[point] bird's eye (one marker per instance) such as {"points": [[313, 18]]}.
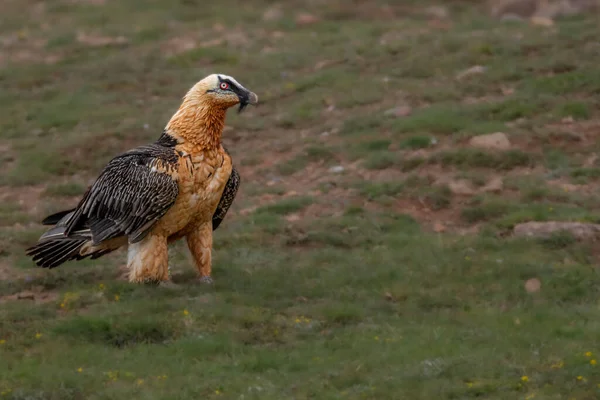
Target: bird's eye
{"points": [[224, 85]]}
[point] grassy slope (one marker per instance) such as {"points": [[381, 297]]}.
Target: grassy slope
{"points": [[327, 285]]}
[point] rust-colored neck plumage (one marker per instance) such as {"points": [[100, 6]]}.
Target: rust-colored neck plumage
{"points": [[198, 123]]}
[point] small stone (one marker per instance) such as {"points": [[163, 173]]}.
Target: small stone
{"points": [[474, 70], [461, 187], [400, 111], [336, 169], [439, 12], [26, 296], [542, 21], [292, 218], [533, 285], [492, 141], [306, 19], [388, 296], [590, 161], [272, 14], [567, 120], [247, 211], [438, 227], [494, 185]]}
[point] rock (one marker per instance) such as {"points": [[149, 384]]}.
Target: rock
{"points": [[306, 19], [492, 141], [494, 185], [439, 12], [590, 161], [336, 169], [400, 111], [542, 21], [461, 187], [474, 70], [533, 285], [579, 230], [438, 227], [292, 218], [272, 14], [25, 296]]}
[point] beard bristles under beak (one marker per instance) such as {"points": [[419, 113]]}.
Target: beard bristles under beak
{"points": [[242, 106]]}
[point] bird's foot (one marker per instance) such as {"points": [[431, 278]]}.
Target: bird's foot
{"points": [[207, 280]]}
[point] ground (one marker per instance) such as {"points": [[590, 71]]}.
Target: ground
{"points": [[369, 254]]}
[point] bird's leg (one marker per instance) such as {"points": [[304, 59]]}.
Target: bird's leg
{"points": [[200, 244], [148, 260]]}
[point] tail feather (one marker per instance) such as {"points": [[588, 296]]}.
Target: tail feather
{"points": [[56, 218], [55, 247], [52, 253]]}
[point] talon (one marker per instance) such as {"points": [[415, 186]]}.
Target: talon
{"points": [[206, 279]]}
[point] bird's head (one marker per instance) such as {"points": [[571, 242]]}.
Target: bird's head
{"points": [[222, 91]]}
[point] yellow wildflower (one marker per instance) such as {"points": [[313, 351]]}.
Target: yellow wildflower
{"points": [[186, 312], [117, 297], [530, 396], [524, 378], [558, 365], [38, 335], [2, 341], [469, 384], [101, 286], [140, 381], [218, 392], [588, 354], [593, 362], [376, 338], [62, 305], [581, 378], [80, 370]]}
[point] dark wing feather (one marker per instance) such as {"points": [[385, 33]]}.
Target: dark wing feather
{"points": [[133, 191], [227, 198]]}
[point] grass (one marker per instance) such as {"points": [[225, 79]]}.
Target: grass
{"points": [[330, 283]]}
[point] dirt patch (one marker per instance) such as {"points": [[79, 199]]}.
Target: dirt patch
{"points": [[36, 294], [28, 197]]}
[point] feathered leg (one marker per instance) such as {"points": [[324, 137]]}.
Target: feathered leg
{"points": [[200, 244], [148, 260]]}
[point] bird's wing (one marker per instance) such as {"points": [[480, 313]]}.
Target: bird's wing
{"points": [[131, 194], [227, 198], [231, 188]]}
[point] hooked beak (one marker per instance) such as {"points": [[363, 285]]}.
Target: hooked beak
{"points": [[247, 98]]}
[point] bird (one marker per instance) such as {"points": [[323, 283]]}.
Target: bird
{"points": [[180, 186]]}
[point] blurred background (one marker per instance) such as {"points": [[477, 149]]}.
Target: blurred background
{"points": [[417, 216]]}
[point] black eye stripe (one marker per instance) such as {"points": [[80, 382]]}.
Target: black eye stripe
{"points": [[232, 86]]}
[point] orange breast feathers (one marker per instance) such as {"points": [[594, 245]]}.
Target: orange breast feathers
{"points": [[202, 177]]}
